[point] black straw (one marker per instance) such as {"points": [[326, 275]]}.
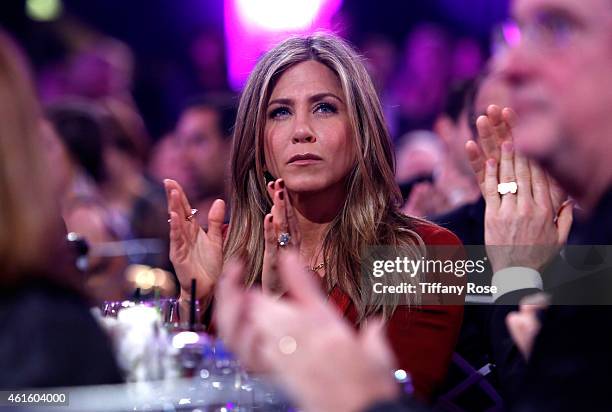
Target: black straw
{"points": [[192, 306]]}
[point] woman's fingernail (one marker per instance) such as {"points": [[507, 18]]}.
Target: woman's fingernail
{"points": [[281, 183], [281, 195], [491, 164], [507, 147]]}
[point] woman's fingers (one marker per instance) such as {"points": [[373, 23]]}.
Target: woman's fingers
{"points": [[269, 235], [292, 221], [270, 190], [270, 281], [182, 224], [173, 186], [216, 217], [175, 234], [279, 211]]}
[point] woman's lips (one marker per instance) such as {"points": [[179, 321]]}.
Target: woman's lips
{"points": [[304, 159]]}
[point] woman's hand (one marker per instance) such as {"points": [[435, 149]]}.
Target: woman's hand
{"points": [[281, 219], [194, 253], [522, 229]]}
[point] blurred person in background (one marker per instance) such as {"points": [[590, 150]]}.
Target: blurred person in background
{"points": [[466, 219], [207, 53], [381, 60], [456, 177], [74, 139], [421, 82], [102, 69], [48, 336], [467, 60], [420, 157], [137, 202], [166, 161], [204, 134]]}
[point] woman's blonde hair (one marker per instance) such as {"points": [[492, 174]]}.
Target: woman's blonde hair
{"points": [[27, 207], [370, 214]]}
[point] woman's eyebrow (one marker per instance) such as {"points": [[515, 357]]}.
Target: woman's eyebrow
{"points": [[320, 96], [315, 97], [284, 101]]}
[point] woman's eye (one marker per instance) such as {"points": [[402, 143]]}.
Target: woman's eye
{"points": [[326, 108], [279, 113]]}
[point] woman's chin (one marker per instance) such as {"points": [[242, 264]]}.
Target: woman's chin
{"points": [[305, 184]]}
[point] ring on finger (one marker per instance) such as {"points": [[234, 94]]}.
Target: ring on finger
{"points": [[283, 239], [193, 213], [508, 187]]}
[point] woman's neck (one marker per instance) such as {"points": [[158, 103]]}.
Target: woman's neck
{"points": [[314, 212]]}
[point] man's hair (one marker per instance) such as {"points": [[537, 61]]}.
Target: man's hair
{"points": [[224, 104]]}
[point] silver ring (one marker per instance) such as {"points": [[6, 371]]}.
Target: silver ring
{"points": [[505, 188], [193, 213], [284, 239]]}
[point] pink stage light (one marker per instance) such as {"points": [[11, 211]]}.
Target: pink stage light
{"points": [[253, 26]]}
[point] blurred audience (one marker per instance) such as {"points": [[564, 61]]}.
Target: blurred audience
{"points": [[49, 337], [74, 136], [466, 218], [420, 156], [204, 134], [136, 201], [166, 161], [420, 84]]}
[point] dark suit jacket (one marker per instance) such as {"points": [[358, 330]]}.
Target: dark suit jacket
{"points": [[570, 367], [48, 338]]}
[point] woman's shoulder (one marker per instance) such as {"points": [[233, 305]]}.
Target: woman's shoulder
{"points": [[433, 234]]}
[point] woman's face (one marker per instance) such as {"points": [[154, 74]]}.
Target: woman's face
{"points": [[307, 138]]}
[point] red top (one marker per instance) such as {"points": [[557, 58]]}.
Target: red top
{"points": [[423, 338]]}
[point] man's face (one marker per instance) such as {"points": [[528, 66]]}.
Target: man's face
{"points": [[205, 150], [558, 72]]}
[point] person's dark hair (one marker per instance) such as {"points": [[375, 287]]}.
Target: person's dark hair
{"points": [[225, 104], [457, 98], [80, 127], [125, 129], [470, 102]]}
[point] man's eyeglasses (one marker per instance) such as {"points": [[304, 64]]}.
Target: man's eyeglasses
{"points": [[548, 31]]}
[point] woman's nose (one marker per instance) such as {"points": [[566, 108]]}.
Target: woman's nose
{"points": [[303, 132]]}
